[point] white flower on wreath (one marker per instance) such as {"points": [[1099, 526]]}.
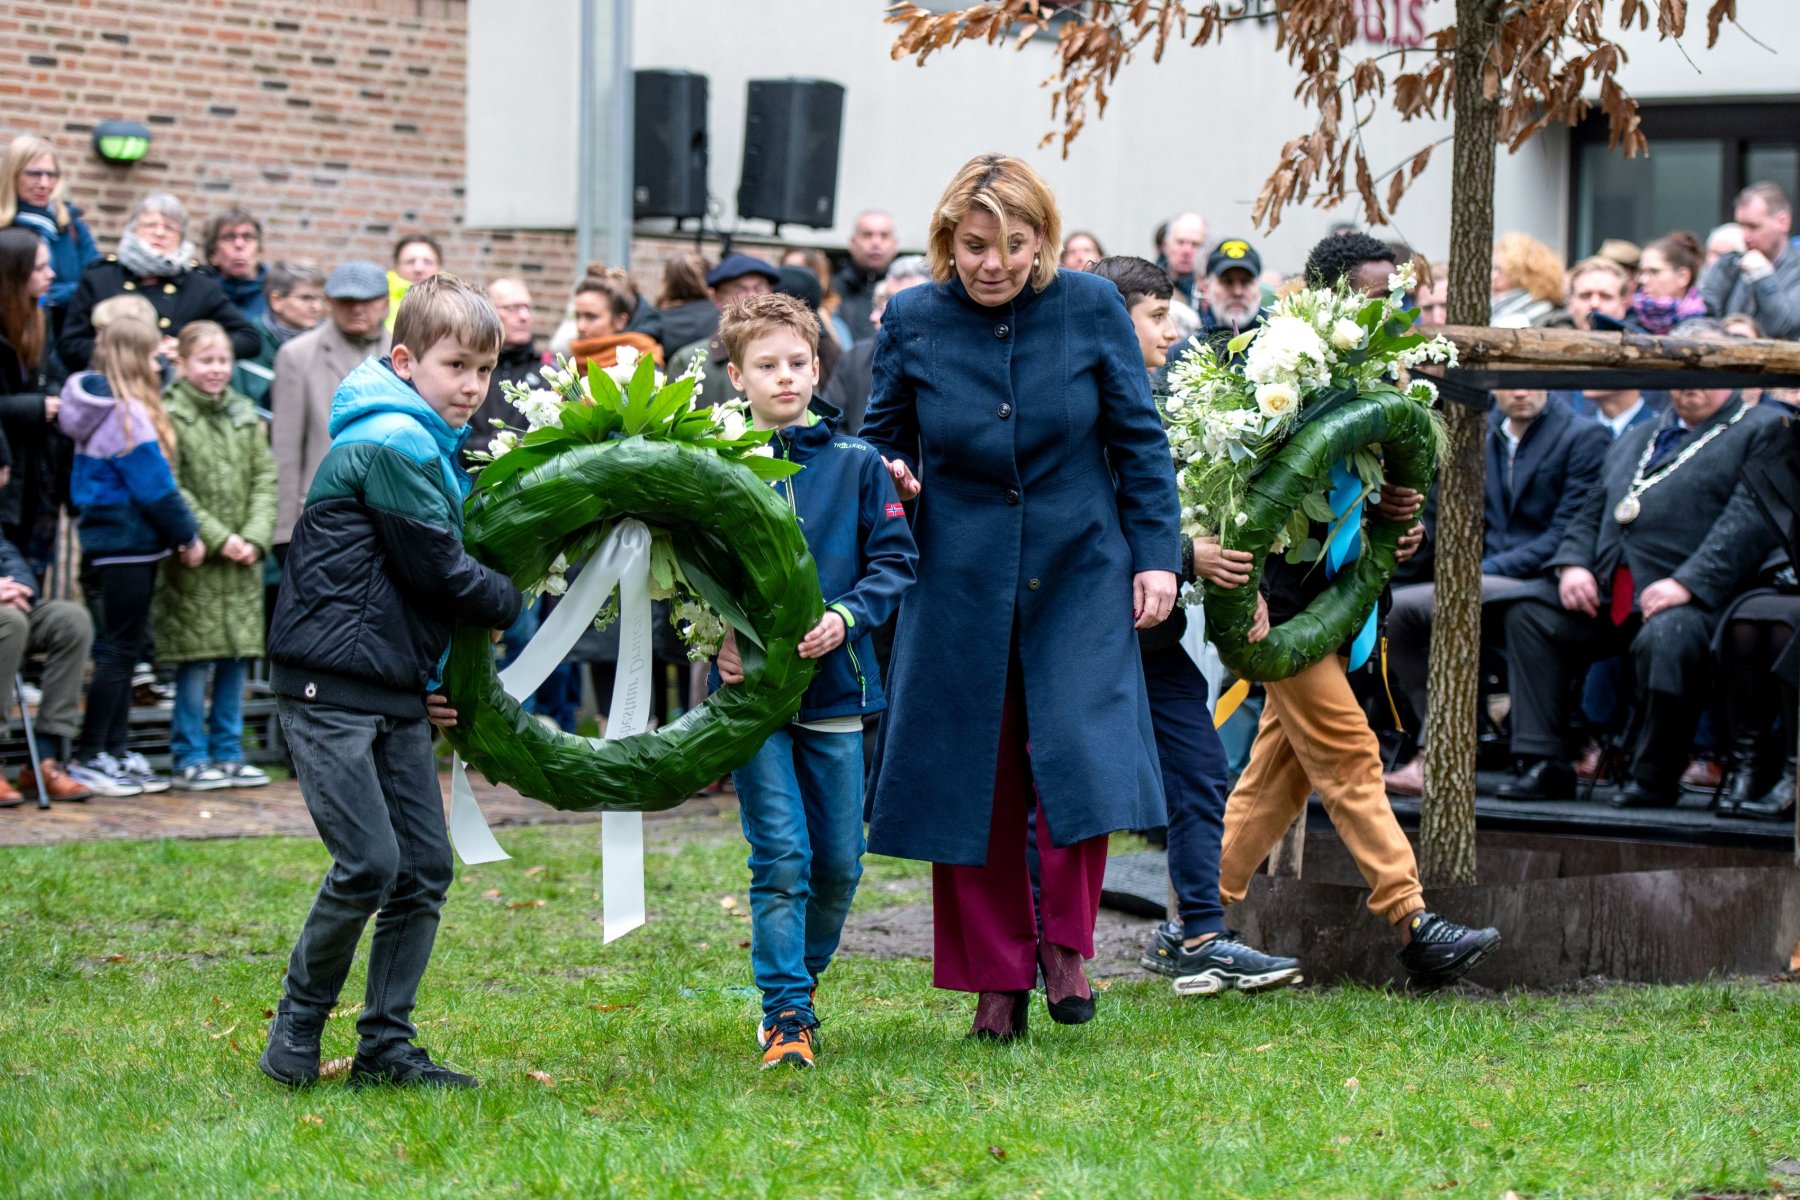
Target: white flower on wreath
{"points": [[1277, 399], [1423, 391], [501, 442], [732, 424], [1287, 349], [540, 408], [1346, 334]]}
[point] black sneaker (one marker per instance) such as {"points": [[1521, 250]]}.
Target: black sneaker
{"points": [[403, 1064], [1441, 952], [292, 1055], [1219, 964]]}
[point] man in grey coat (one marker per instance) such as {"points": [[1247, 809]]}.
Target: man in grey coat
{"points": [[308, 370], [1764, 280], [1646, 567]]}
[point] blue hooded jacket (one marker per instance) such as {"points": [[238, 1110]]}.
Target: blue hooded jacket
{"points": [[376, 575], [857, 531], [72, 248]]}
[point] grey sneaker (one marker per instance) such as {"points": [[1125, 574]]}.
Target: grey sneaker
{"points": [[403, 1064], [138, 768], [292, 1055], [104, 775], [201, 777], [242, 774]]}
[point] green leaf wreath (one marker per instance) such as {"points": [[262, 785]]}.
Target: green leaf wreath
{"points": [[725, 548], [1255, 434]]}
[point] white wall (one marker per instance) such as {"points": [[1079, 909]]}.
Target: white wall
{"points": [[1199, 131]]}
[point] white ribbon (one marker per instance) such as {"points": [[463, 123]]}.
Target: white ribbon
{"points": [[623, 562]]}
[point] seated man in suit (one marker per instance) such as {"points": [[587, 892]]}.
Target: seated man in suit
{"points": [[1647, 566], [1542, 461]]}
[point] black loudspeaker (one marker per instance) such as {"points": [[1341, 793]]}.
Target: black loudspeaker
{"points": [[669, 151], [792, 128]]}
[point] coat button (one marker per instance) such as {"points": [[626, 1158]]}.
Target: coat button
{"points": [[1003, 331], [129, 286], [1033, 585], [170, 289], [1004, 411], [163, 322], [1012, 495]]}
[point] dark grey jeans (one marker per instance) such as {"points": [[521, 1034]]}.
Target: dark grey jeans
{"points": [[371, 785]]}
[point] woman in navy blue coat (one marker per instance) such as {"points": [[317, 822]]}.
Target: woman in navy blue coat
{"points": [[1011, 398]]}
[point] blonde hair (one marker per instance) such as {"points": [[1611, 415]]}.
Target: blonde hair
{"points": [[122, 354], [1530, 265], [126, 306], [442, 306], [23, 150], [1010, 190], [195, 333], [750, 318]]}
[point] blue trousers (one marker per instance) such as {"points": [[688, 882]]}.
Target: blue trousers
{"points": [[1194, 783], [197, 736], [801, 803]]}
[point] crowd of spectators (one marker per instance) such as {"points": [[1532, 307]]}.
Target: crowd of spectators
{"points": [[1637, 581]]}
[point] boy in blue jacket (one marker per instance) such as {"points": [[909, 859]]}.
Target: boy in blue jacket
{"points": [[375, 581], [801, 797]]}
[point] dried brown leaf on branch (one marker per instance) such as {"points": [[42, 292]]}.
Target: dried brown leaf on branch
{"points": [[1545, 62]]}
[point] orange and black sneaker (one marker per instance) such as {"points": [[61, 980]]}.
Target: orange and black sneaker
{"points": [[787, 1039]]}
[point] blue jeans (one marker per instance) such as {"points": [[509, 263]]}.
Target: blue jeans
{"points": [[196, 736], [1193, 774], [801, 803]]}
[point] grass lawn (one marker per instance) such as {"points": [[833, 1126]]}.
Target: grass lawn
{"points": [[137, 976]]}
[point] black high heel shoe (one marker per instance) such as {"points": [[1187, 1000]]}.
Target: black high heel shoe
{"points": [[1070, 1010], [1015, 1026]]}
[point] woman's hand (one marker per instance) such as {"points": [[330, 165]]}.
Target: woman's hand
{"points": [[1152, 597], [237, 550], [1259, 624], [1226, 569], [52, 406], [825, 637], [905, 482], [731, 663]]}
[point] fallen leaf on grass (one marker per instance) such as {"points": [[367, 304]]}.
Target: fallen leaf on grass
{"points": [[335, 1068], [491, 894], [115, 958], [309, 1119], [223, 1034], [268, 1014], [727, 901], [541, 1077], [1353, 1082], [998, 1152], [1101, 984], [610, 1007], [537, 870], [526, 904], [1444, 1186], [743, 945], [1264, 1046]]}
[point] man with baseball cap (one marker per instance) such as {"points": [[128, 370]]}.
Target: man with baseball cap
{"points": [[736, 276], [307, 372], [1233, 289]]}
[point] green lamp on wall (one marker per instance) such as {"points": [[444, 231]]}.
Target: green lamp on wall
{"points": [[121, 142]]}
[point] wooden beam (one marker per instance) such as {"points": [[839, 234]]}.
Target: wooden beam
{"points": [[1483, 346]]}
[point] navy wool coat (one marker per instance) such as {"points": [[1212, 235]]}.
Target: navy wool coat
{"points": [[1047, 486]]}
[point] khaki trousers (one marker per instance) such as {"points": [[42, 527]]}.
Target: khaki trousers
{"points": [[1314, 737]]}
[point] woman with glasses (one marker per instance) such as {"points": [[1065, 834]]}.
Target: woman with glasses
{"points": [[35, 202], [155, 261]]}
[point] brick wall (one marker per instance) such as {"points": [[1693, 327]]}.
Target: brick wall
{"points": [[339, 123]]}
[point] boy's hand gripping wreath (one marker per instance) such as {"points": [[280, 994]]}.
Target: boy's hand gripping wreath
{"points": [[724, 549], [1318, 417]]}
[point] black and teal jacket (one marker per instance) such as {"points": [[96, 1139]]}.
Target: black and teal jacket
{"points": [[862, 545], [376, 576]]}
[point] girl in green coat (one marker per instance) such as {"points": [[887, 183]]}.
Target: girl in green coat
{"points": [[210, 618]]}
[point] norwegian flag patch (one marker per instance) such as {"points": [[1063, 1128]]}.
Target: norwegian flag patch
{"points": [[896, 509]]}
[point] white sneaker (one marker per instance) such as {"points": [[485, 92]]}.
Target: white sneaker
{"points": [[242, 774], [138, 768], [201, 777], [104, 776]]}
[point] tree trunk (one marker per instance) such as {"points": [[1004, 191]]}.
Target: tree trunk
{"points": [[1447, 828]]}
